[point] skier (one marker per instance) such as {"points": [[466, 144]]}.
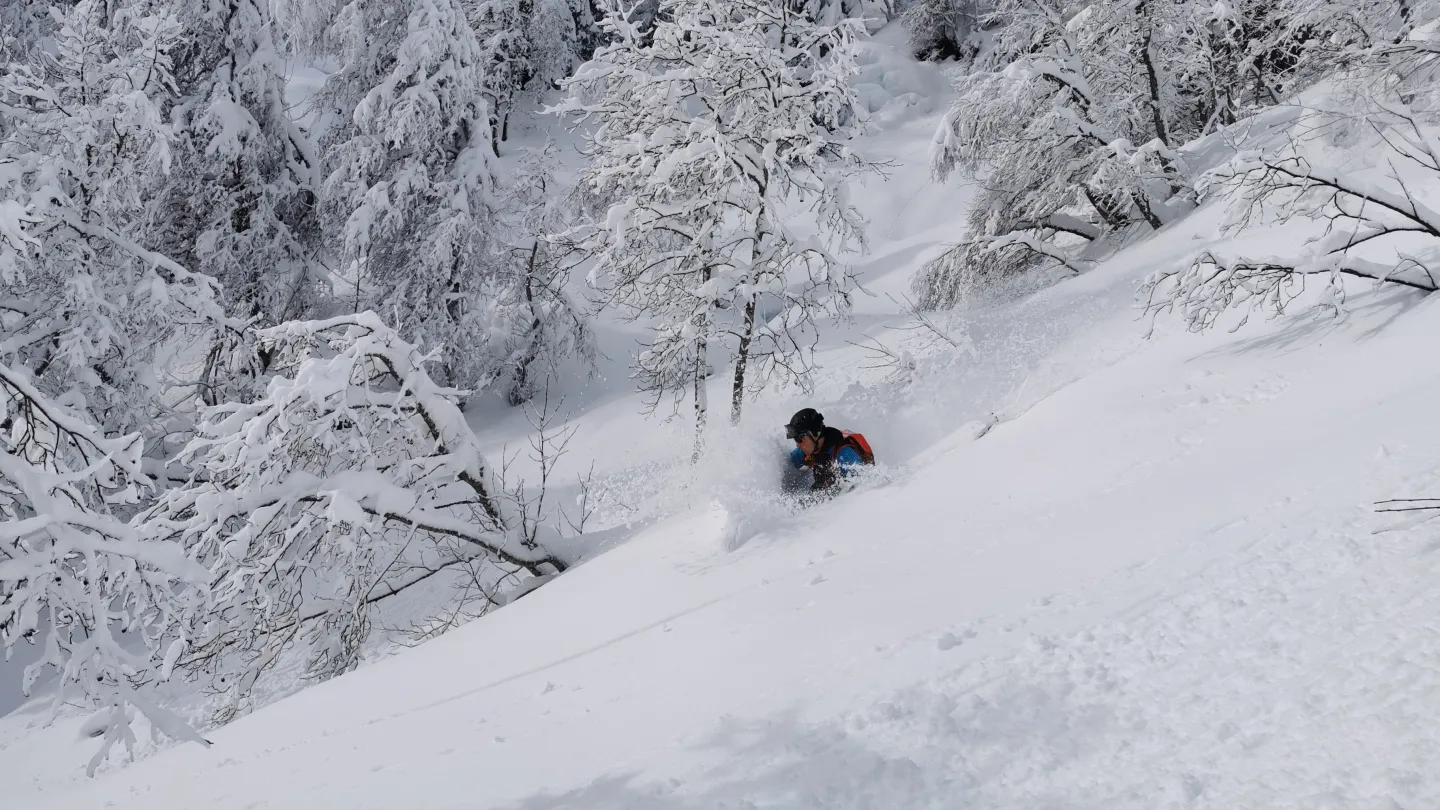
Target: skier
{"points": [[830, 454]]}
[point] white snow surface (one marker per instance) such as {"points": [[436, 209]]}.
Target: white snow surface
{"points": [[1156, 582]]}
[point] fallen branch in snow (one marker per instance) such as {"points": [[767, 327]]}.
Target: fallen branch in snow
{"points": [[1336, 196], [1064, 223], [970, 266], [1039, 247], [1409, 505]]}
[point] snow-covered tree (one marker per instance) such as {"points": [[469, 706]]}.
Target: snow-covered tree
{"points": [[87, 315], [1074, 119], [529, 46], [539, 326], [1256, 52], [828, 12], [1290, 44], [587, 15], [86, 309], [1385, 87], [26, 23], [942, 29], [239, 201], [637, 16], [1382, 233], [561, 39], [96, 597], [302, 503], [501, 27], [408, 193], [1070, 122], [705, 134]]}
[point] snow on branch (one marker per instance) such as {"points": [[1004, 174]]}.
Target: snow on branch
{"points": [[1028, 241], [476, 585], [303, 502], [982, 261], [74, 576], [1065, 223], [1359, 215], [1071, 123], [1321, 192], [88, 303], [1212, 285]]}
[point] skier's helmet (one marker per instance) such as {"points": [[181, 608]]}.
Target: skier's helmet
{"points": [[805, 422]]}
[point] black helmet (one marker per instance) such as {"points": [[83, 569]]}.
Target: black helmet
{"points": [[805, 422]]}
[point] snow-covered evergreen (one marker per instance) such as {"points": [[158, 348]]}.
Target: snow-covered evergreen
{"points": [[408, 197], [239, 201]]}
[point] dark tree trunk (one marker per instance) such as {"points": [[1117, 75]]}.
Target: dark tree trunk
{"points": [[702, 403], [742, 357], [520, 385], [1147, 57]]}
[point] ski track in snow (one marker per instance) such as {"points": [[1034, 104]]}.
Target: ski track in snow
{"points": [[557, 662]]}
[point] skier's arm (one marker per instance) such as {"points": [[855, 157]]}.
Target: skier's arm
{"points": [[848, 460], [797, 458]]}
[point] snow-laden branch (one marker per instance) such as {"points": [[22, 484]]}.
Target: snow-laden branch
{"points": [[74, 576], [1212, 285], [1360, 215], [1064, 223], [1066, 122], [1029, 241], [1339, 194], [301, 498]]}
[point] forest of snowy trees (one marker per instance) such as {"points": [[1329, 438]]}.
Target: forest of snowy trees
{"points": [[1084, 121], [238, 329]]}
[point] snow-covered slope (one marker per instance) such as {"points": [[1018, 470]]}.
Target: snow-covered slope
{"points": [[1155, 583]]}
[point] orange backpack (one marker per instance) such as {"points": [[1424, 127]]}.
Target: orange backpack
{"points": [[867, 456]]}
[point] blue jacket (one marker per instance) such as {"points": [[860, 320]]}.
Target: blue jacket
{"points": [[839, 456], [847, 459]]}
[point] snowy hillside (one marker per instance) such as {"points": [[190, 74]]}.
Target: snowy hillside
{"points": [[1155, 585], [394, 402], [1156, 581]]}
